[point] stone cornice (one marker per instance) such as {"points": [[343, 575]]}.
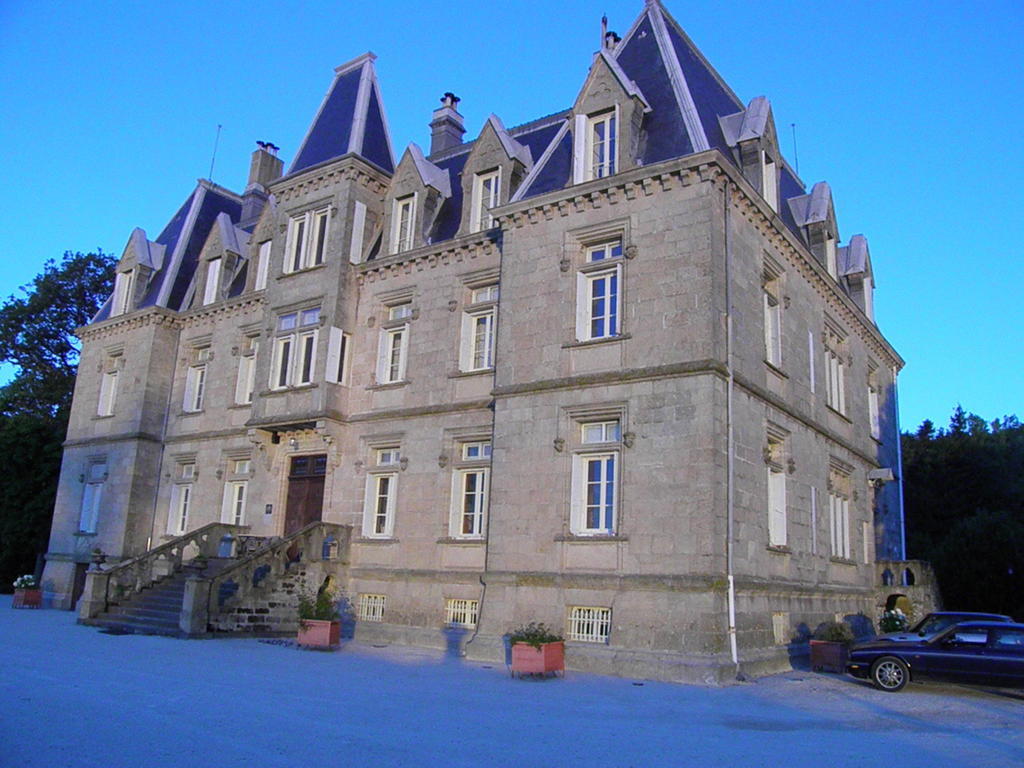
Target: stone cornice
{"points": [[221, 310], [476, 245], [121, 438], [350, 167], [129, 322]]}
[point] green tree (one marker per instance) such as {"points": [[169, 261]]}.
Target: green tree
{"points": [[37, 338]]}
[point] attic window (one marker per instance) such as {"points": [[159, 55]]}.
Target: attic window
{"points": [[770, 181], [485, 197], [124, 285], [601, 145], [402, 224], [212, 281]]}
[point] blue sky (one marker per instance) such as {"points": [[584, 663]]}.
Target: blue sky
{"points": [[910, 111]]}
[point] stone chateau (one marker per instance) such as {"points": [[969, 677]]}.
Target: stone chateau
{"points": [[615, 370]]}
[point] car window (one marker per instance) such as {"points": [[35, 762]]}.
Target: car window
{"points": [[1009, 638], [933, 624], [968, 637]]}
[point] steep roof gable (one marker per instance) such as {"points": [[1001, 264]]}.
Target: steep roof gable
{"points": [[350, 120]]}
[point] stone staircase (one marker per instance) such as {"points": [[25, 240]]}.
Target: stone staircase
{"points": [[156, 609]]}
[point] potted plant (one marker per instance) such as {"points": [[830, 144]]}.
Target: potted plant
{"points": [[319, 620], [830, 645], [27, 593], [536, 650], [894, 620]]}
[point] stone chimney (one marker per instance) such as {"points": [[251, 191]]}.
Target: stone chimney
{"points": [[446, 127], [265, 168]]}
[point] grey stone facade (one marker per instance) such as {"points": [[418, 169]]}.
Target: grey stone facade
{"points": [[701, 418]]}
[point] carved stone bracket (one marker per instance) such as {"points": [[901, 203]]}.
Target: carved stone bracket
{"points": [[559, 444]]}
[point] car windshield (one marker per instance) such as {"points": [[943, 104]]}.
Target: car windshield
{"points": [[929, 625]]}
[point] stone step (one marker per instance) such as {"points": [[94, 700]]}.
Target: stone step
{"points": [[136, 626], [143, 613]]}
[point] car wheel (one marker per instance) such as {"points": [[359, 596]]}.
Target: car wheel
{"points": [[890, 674]]}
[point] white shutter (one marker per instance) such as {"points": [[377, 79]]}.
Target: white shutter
{"points": [[242, 384], [226, 506], [578, 493], [814, 520], [212, 281], [579, 149], [355, 254], [190, 390], [172, 510], [263, 265], [777, 508], [404, 357], [582, 307], [466, 343], [333, 355]]}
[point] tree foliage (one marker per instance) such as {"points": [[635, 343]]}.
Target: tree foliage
{"points": [[37, 338], [964, 507]]}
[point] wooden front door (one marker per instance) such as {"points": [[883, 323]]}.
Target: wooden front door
{"points": [[305, 492]]}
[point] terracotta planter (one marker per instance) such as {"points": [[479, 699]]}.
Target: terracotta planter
{"points": [[27, 598], [315, 633], [828, 656], [527, 660]]}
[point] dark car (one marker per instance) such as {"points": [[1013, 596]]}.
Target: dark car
{"points": [[933, 623], [984, 652]]}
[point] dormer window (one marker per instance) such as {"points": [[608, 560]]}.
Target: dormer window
{"points": [[212, 281], [769, 181], [601, 145], [124, 285], [402, 225], [486, 188]]}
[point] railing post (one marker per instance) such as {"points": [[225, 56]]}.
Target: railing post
{"points": [[195, 606], [94, 598]]}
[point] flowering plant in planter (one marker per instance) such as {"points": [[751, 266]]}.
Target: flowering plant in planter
{"points": [[28, 581], [894, 621], [536, 650], [829, 646]]}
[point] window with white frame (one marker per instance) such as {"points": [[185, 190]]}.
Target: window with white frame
{"points": [[381, 487], [601, 149], [394, 344], [770, 181], [92, 494], [245, 385], [124, 288], [108, 384], [476, 351], [835, 370], [486, 187], [598, 292], [181, 498], [262, 265], [195, 380], [589, 624], [470, 480], [307, 240], [236, 489], [595, 478], [772, 319], [212, 287], [839, 491], [777, 518], [459, 612], [371, 607], [403, 223], [294, 362]]}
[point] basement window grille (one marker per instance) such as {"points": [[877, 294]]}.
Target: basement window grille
{"points": [[461, 613], [371, 607], [589, 624]]}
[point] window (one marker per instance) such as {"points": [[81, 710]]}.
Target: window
{"points": [[181, 499], [307, 240], [379, 506], [486, 188], [598, 300], [595, 479], [873, 414], [839, 512], [371, 607], [469, 490], [601, 149], [235, 490], [262, 265], [212, 287], [461, 613], [108, 385], [195, 380], [777, 521], [245, 386], [770, 181], [780, 627], [835, 375], [403, 224], [92, 495], [476, 352], [589, 624], [294, 361], [394, 344], [124, 289], [387, 457]]}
